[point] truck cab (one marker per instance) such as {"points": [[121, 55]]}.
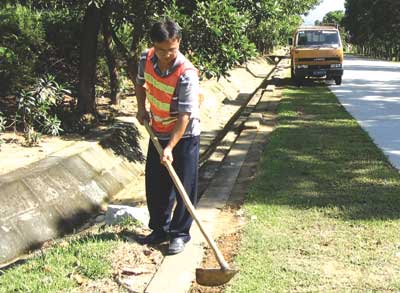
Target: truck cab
{"points": [[316, 51]]}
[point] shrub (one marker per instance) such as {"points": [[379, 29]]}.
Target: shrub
{"points": [[21, 43], [63, 35], [36, 109]]}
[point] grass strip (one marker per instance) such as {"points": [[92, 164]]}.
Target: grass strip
{"points": [[65, 265], [323, 213]]}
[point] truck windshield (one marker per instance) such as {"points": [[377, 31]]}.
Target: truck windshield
{"points": [[318, 38]]}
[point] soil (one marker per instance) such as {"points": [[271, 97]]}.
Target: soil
{"points": [[14, 153], [134, 265], [229, 228]]}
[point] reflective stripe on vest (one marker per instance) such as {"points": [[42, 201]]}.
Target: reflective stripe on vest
{"points": [[159, 85], [160, 91]]}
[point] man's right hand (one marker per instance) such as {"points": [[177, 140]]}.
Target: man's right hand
{"points": [[142, 115]]}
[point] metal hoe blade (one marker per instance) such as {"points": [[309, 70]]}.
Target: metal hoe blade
{"points": [[214, 277]]}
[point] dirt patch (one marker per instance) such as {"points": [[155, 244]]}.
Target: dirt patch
{"points": [[229, 231], [133, 264], [14, 154]]}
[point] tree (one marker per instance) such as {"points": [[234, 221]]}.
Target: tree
{"points": [[217, 35], [373, 27], [334, 17], [88, 59], [272, 22]]}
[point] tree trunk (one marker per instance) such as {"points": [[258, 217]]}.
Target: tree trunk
{"points": [[137, 36], [88, 58], [111, 63], [132, 55], [398, 53], [131, 59]]}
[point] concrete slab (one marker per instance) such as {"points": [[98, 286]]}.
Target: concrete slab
{"points": [[52, 197], [17, 195]]}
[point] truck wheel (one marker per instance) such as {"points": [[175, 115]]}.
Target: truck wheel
{"points": [[338, 80]]}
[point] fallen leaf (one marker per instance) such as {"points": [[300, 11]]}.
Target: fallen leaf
{"points": [[78, 279], [147, 252], [134, 271]]}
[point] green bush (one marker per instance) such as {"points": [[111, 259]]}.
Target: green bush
{"points": [[33, 43], [21, 43], [36, 109], [63, 34]]}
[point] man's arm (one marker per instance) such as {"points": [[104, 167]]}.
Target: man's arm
{"points": [[176, 135], [142, 113], [187, 108]]}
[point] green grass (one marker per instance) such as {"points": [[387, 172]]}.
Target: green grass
{"points": [[327, 206], [54, 269]]}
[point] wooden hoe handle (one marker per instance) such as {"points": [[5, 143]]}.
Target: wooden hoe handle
{"points": [[182, 192]]}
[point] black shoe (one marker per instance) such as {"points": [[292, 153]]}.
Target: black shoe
{"points": [[154, 237], [176, 245]]}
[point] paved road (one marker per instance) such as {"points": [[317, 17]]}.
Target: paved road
{"points": [[371, 94]]}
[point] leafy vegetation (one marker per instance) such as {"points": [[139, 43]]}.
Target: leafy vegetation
{"points": [[21, 44], [272, 22], [323, 213], [373, 26], [334, 17], [220, 25], [85, 43], [36, 109]]}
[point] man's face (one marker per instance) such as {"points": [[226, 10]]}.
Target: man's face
{"points": [[167, 51]]}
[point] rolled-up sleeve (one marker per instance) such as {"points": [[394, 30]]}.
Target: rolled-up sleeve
{"points": [[188, 92], [141, 65]]}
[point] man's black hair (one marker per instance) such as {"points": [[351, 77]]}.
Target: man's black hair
{"points": [[165, 30]]}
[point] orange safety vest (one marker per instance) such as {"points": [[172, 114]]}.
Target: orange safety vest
{"points": [[160, 92]]}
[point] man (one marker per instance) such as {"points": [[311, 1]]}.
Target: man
{"points": [[170, 83]]}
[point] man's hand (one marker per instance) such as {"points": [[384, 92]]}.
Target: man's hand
{"points": [[142, 115], [167, 155], [177, 132]]}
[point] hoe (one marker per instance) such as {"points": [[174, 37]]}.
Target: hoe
{"points": [[204, 277]]}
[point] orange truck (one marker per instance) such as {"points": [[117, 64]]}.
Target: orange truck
{"points": [[316, 51]]}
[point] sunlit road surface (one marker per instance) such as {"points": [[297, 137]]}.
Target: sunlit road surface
{"points": [[371, 94]]}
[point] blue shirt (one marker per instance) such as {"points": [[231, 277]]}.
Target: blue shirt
{"points": [[187, 92]]}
